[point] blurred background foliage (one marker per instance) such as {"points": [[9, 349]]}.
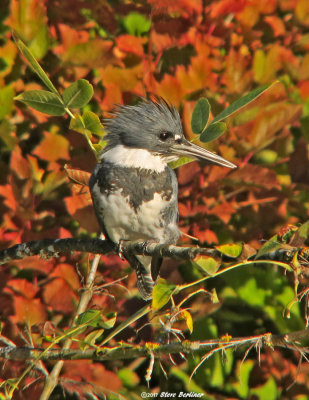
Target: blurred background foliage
{"points": [[180, 50]]}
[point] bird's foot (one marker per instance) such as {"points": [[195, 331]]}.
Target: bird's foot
{"points": [[120, 248]]}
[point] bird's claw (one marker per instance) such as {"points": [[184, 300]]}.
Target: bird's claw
{"points": [[120, 249]]}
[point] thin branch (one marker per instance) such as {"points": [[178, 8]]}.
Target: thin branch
{"points": [[288, 340], [52, 379]]}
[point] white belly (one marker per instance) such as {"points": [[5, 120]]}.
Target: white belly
{"points": [[122, 222]]}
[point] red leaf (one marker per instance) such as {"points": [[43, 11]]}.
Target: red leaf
{"points": [[78, 176], [256, 175], [304, 89], [94, 373]]}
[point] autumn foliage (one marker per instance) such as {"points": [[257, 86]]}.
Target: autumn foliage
{"points": [[182, 51]]}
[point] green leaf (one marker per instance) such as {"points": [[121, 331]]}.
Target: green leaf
{"points": [[231, 250], [271, 245], [303, 230], [213, 131], [89, 317], [109, 321], [78, 94], [200, 116], [6, 100], [35, 65], [240, 103], [128, 377], [92, 123], [77, 124], [161, 294], [90, 339], [136, 24], [241, 385], [42, 100], [181, 161], [208, 264], [268, 391]]}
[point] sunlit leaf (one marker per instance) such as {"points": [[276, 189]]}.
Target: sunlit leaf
{"points": [[185, 315], [240, 103], [128, 377], [136, 24], [181, 161], [268, 390], [231, 250], [42, 100], [6, 100], [36, 66], [29, 19], [53, 147], [208, 264], [200, 115], [89, 317], [78, 94], [161, 294], [92, 123], [109, 321], [213, 131]]}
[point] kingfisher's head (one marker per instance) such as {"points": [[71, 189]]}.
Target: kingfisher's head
{"points": [[155, 126]]}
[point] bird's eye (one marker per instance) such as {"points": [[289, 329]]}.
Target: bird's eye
{"points": [[165, 135]]}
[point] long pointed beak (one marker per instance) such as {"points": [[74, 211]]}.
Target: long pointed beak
{"points": [[191, 150]]}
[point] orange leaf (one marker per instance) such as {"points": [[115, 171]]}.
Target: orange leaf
{"points": [[23, 287], [224, 211], [131, 44], [276, 24], [30, 311], [66, 282], [7, 192], [53, 147], [19, 164], [80, 199], [58, 295], [68, 273]]}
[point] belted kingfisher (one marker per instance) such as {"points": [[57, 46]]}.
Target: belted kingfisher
{"points": [[133, 189]]}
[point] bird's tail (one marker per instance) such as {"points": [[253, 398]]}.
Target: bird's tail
{"points": [[143, 266]]}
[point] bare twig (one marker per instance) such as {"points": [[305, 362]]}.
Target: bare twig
{"points": [[52, 379], [288, 340]]}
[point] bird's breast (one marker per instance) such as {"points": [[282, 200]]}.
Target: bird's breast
{"points": [[136, 204]]}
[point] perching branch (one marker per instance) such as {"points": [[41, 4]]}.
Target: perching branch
{"points": [[48, 248]]}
